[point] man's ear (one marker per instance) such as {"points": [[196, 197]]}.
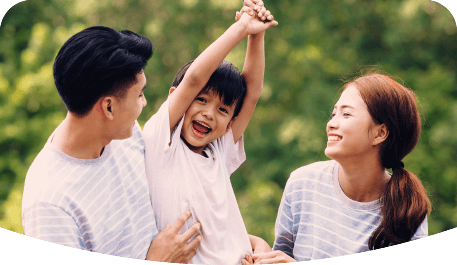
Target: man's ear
{"points": [[381, 133], [106, 107], [171, 90]]}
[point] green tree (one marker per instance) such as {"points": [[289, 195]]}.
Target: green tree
{"points": [[316, 46]]}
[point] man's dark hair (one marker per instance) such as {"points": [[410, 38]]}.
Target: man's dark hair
{"points": [[97, 62], [226, 82]]}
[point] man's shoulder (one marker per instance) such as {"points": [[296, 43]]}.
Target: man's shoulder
{"points": [[42, 174]]}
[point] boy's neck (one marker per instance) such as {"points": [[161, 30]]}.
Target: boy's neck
{"points": [[197, 150]]}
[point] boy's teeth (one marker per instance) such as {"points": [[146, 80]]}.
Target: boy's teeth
{"points": [[202, 128], [203, 125]]}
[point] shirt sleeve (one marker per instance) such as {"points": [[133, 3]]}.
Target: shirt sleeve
{"points": [[159, 143], [235, 154], [50, 223], [284, 237], [422, 231]]}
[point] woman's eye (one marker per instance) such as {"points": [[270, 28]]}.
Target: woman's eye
{"points": [[142, 95], [332, 115], [346, 114]]}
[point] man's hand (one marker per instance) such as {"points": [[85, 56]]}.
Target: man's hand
{"points": [[169, 246]]}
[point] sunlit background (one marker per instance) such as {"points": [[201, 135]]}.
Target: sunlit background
{"points": [[317, 45]]}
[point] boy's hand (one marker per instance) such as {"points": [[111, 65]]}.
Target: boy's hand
{"points": [[259, 7], [169, 246], [253, 25], [262, 14]]}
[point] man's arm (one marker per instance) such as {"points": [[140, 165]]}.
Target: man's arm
{"points": [[206, 63], [50, 223]]}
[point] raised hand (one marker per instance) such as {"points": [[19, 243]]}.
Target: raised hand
{"points": [[259, 7], [169, 246], [248, 17]]}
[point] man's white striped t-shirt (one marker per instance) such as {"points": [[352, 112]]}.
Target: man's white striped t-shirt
{"points": [[101, 205], [317, 220]]}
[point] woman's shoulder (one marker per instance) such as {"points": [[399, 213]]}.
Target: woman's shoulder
{"points": [[314, 169], [315, 172]]}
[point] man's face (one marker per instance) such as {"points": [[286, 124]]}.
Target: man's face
{"points": [[130, 107], [206, 119]]}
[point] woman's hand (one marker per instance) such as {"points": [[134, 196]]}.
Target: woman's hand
{"points": [[271, 257]]}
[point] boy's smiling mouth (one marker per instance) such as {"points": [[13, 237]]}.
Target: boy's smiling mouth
{"points": [[201, 128]]}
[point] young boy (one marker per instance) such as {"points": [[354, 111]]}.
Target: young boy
{"points": [[194, 142]]}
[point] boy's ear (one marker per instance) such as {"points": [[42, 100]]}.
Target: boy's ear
{"points": [[171, 90], [229, 125]]}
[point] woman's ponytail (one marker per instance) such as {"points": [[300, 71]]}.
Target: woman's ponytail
{"points": [[405, 206], [405, 201]]}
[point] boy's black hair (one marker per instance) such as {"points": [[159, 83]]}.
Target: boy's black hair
{"points": [[97, 62], [226, 82]]}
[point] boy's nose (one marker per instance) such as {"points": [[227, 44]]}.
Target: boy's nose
{"points": [[209, 113]]}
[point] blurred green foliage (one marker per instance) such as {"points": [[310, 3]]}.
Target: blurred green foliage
{"points": [[314, 49]]}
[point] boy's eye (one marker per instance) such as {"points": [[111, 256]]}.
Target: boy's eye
{"points": [[223, 110], [200, 99]]}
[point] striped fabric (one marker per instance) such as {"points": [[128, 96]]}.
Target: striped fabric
{"points": [[316, 220], [100, 205]]}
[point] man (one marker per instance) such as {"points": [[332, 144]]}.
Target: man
{"points": [[87, 187]]}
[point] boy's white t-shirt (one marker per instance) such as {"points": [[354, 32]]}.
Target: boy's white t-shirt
{"points": [[181, 180]]}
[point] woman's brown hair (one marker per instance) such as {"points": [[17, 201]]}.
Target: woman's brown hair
{"points": [[405, 201]]}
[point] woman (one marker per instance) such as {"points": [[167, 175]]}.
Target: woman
{"points": [[351, 204]]}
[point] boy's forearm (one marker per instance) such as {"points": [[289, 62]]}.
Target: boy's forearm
{"points": [[206, 63], [253, 72], [254, 66]]}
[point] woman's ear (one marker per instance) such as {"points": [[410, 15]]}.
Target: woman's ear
{"points": [[381, 133]]}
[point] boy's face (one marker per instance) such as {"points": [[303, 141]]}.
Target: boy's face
{"points": [[206, 119]]}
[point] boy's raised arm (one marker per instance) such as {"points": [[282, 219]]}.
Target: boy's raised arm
{"points": [[206, 63], [253, 73]]}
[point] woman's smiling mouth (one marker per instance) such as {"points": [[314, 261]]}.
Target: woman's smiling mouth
{"points": [[334, 138]]}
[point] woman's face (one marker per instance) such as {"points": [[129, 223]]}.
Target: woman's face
{"points": [[351, 131]]}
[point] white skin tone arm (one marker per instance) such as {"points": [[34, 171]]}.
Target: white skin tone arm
{"points": [[206, 63], [253, 72]]}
